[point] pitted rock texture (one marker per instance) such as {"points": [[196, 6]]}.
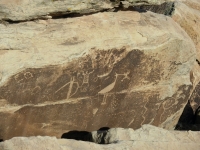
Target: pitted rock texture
{"points": [[18, 10], [146, 138], [99, 70]]}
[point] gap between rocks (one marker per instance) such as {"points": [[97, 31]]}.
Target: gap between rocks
{"points": [[189, 119], [98, 137]]}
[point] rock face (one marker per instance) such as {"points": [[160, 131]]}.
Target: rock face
{"points": [[27, 10], [146, 138], [187, 15], [99, 70]]}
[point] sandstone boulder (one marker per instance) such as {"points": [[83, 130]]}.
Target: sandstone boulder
{"points": [[187, 15], [114, 69], [16, 10], [146, 138]]}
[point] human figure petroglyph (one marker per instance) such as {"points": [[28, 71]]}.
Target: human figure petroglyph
{"points": [[86, 76], [85, 84]]}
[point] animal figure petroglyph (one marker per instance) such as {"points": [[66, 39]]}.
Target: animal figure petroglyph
{"points": [[111, 86]]}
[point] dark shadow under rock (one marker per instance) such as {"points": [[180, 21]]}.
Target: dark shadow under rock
{"points": [[78, 135], [189, 120], [104, 129], [197, 116], [95, 136]]}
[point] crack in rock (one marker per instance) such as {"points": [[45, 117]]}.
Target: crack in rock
{"points": [[54, 9]]}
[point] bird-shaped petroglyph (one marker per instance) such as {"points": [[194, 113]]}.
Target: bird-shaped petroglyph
{"points": [[111, 86]]}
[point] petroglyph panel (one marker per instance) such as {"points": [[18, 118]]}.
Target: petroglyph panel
{"points": [[66, 95], [102, 73]]}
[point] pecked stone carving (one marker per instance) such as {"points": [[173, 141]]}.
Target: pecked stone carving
{"points": [[99, 70]]}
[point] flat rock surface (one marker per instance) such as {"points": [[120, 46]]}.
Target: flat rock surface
{"points": [[146, 138], [115, 69]]}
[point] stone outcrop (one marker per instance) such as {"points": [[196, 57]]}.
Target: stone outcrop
{"points": [[187, 15], [18, 10], [92, 71], [146, 138]]}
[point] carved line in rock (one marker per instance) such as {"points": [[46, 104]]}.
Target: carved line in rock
{"points": [[73, 81], [112, 90], [169, 106], [106, 91]]}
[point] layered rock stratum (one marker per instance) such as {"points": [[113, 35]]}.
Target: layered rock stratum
{"points": [[18, 10], [146, 138]]}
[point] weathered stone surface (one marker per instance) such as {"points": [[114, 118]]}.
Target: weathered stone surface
{"points": [[187, 15], [99, 70], [166, 8], [146, 138], [16, 10]]}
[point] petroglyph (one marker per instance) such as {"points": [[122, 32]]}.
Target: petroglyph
{"points": [[70, 88], [95, 111], [28, 75], [87, 83], [111, 86], [36, 90], [87, 76], [133, 116], [18, 78], [169, 103]]}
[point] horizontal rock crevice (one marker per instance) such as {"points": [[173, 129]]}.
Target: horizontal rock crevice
{"points": [[162, 7]]}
